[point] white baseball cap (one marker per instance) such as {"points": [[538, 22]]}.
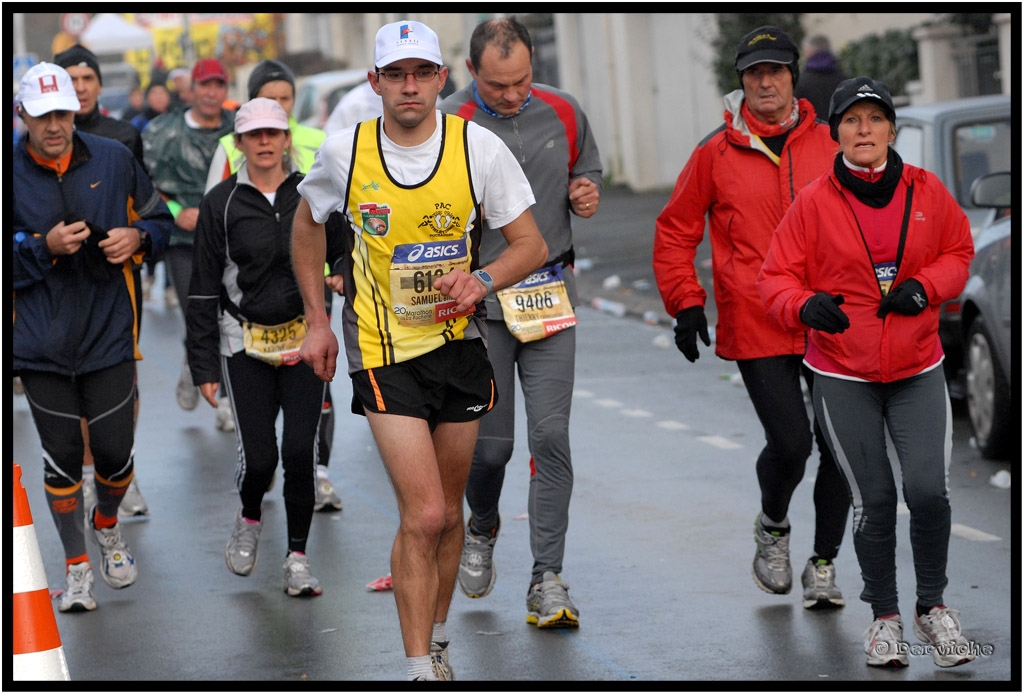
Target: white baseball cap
{"points": [[260, 113], [47, 87], [406, 39]]}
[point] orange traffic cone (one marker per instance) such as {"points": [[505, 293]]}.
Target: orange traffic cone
{"points": [[38, 653]]}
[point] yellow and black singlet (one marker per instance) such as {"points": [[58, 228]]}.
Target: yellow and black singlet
{"points": [[405, 237]]}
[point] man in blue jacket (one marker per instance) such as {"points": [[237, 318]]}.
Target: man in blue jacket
{"points": [[85, 214]]}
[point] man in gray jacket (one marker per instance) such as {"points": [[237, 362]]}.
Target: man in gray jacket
{"points": [[529, 324]]}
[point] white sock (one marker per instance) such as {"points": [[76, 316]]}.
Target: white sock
{"points": [[769, 523], [419, 665], [439, 635], [321, 472]]}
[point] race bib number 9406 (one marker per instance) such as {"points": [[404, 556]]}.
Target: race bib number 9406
{"points": [[538, 306]]}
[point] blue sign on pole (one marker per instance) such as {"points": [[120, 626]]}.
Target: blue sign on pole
{"points": [[22, 64]]}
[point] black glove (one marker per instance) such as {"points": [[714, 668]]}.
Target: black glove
{"points": [[822, 312], [907, 298], [92, 255], [691, 322]]}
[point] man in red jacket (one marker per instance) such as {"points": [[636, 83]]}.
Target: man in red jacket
{"points": [[740, 180]]}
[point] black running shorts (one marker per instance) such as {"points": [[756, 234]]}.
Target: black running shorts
{"points": [[453, 383]]}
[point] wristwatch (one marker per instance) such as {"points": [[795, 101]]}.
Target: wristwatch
{"points": [[486, 278], [145, 242]]}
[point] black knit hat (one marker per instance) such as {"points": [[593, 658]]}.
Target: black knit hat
{"points": [[848, 92], [269, 71], [79, 55]]}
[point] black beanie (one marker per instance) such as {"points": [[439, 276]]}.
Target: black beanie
{"points": [[79, 55], [269, 71]]}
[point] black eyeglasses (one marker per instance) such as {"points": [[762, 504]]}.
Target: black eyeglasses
{"points": [[423, 74]]}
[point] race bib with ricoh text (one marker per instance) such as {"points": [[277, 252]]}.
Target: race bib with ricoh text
{"points": [[539, 306], [414, 269]]}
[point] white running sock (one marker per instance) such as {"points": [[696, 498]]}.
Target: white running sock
{"points": [[419, 665]]}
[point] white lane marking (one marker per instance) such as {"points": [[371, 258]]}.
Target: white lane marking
{"points": [[608, 402], [969, 533], [719, 442], [672, 426], [582, 393], [637, 413]]}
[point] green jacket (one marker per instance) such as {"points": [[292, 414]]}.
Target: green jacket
{"points": [[178, 159]]}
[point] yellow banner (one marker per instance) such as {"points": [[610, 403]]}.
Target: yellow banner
{"points": [[235, 38]]}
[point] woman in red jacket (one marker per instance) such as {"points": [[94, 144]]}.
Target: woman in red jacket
{"points": [[864, 257]]}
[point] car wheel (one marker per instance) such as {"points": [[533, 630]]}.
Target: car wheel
{"points": [[988, 393]]}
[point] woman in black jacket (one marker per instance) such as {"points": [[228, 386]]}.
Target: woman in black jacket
{"points": [[245, 325]]}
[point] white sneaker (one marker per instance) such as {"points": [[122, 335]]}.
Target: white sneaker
{"points": [[883, 643], [326, 498], [941, 628], [117, 565], [78, 595], [225, 418], [298, 580], [186, 392], [132, 503]]}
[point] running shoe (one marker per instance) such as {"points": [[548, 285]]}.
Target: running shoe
{"points": [[78, 595], [225, 420], [439, 661], [326, 498], [883, 642], [548, 603], [132, 503], [117, 565], [941, 628], [772, 571], [186, 392], [298, 581], [476, 566], [819, 581], [241, 552]]}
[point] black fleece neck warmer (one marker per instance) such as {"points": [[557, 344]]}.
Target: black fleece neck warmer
{"points": [[875, 194]]}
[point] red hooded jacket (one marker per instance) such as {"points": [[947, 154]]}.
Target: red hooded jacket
{"points": [[819, 248], [743, 190]]}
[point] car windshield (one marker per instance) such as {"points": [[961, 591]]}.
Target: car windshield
{"points": [[981, 148]]}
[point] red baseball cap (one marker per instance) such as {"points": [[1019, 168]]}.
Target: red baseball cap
{"points": [[209, 69]]}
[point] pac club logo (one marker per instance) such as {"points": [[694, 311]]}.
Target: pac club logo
{"points": [[376, 218], [441, 222]]}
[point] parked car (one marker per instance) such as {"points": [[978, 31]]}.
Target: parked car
{"points": [[958, 141], [986, 318], [318, 94]]}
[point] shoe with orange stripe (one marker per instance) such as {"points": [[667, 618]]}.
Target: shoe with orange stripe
{"points": [[117, 565]]}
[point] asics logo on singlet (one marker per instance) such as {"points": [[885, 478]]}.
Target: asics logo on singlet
{"points": [[435, 251]]}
